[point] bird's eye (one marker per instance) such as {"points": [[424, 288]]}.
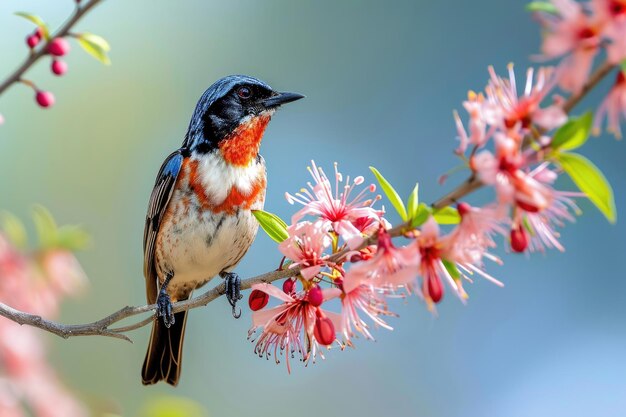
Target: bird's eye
{"points": [[244, 92]]}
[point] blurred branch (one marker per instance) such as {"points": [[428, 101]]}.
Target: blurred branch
{"points": [[102, 327], [79, 12]]}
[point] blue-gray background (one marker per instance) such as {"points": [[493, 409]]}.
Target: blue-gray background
{"points": [[381, 80]]}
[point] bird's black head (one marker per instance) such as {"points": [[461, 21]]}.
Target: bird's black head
{"points": [[227, 104]]}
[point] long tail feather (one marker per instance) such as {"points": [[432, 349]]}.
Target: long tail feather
{"points": [[165, 352]]}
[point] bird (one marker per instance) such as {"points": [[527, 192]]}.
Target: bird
{"points": [[200, 220]]}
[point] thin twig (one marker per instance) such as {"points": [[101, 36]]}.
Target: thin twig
{"points": [[42, 50]]}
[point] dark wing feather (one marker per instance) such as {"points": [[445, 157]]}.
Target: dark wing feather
{"points": [[161, 194]]}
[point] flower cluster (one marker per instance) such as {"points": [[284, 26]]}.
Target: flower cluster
{"points": [[576, 32], [34, 282], [514, 152], [515, 141], [329, 242]]}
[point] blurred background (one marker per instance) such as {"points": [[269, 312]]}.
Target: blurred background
{"points": [[381, 80]]}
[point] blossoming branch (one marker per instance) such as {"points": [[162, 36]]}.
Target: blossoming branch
{"points": [[341, 266]]}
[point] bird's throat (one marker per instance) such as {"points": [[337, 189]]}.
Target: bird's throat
{"points": [[241, 147]]}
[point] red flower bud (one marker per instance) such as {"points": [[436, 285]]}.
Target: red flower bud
{"points": [[32, 41], [435, 288], [257, 300], [463, 208], [59, 47], [58, 67], [324, 331], [44, 98], [289, 286], [315, 296], [527, 207], [519, 239]]}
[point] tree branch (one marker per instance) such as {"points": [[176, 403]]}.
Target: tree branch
{"points": [[102, 327], [42, 50]]}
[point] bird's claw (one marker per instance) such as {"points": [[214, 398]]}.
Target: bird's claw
{"points": [[233, 291], [164, 309]]}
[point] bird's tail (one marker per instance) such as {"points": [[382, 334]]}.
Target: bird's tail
{"points": [[165, 351]]}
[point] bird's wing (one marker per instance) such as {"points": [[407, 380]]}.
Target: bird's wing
{"points": [[161, 194]]}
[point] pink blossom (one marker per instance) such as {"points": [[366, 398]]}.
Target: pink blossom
{"points": [[432, 268], [305, 246], [470, 241], [479, 117], [456, 256], [611, 14], [390, 267], [613, 108], [35, 285], [513, 111], [502, 109], [338, 208], [367, 299], [541, 224], [504, 171], [576, 35], [64, 272], [284, 325]]}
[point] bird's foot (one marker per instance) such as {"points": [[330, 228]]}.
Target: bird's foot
{"points": [[233, 291], [164, 304], [164, 309]]}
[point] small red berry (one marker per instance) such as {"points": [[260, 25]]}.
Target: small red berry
{"points": [[519, 239], [58, 67], [59, 47], [324, 331], [315, 296], [32, 41], [44, 98], [258, 300], [289, 286], [435, 288]]}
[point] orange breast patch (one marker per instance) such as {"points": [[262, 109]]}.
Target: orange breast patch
{"points": [[242, 145], [235, 198]]}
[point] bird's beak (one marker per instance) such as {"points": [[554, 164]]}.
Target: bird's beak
{"points": [[280, 99]]}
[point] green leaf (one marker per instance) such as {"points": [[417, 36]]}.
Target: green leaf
{"points": [[36, 20], [623, 66], [391, 194], [273, 225], [574, 133], [171, 406], [45, 226], [14, 230], [452, 269], [447, 215], [590, 181], [95, 46], [413, 204], [72, 237], [541, 6], [422, 214]]}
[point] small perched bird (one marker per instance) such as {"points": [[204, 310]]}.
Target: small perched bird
{"points": [[200, 222]]}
